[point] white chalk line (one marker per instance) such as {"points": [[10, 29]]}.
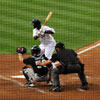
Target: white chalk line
{"points": [[85, 50], [20, 83], [14, 81]]}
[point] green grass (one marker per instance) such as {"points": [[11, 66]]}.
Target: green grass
{"points": [[76, 22]]}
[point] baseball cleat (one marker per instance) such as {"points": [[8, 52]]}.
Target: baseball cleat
{"points": [[85, 87], [55, 89], [49, 83], [29, 84]]}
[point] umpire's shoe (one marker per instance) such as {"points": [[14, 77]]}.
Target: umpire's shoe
{"points": [[55, 89], [85, 87]]}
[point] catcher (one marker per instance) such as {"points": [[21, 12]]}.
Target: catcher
{"points": [[36, 73]]}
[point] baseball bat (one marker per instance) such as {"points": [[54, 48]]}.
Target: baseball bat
{"points": [[48, 17]]}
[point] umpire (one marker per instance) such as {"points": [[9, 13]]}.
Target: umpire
{"points": [[71, 63]]}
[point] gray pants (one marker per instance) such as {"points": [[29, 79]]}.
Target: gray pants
{"points": [[70, 68], [31, 76]]}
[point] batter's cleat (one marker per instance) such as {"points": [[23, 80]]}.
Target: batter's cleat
{"points": [[55, 89], [85, 87], [29, 84], [49, 83]]}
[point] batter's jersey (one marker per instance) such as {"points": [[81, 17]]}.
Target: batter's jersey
{"points": [[41, 70], [46, 38]]}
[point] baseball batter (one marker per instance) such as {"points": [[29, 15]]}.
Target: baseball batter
{"points": [[43, 33]]}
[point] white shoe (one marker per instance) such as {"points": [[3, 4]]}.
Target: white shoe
{"points": [[49, 83], [29, 84]]}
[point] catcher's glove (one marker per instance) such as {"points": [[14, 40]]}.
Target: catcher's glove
{"points": [[21, 50]]}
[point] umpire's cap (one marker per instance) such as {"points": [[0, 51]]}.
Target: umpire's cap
{"points": [[35, 22], [60, 45]]}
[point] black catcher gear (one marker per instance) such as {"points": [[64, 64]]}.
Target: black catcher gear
{"points": [[35, 49]]}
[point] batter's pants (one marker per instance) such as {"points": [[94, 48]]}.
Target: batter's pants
{"points": [[47, 49]]}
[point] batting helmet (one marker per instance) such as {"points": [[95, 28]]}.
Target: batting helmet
{"points": [[60, 45], [36, 23], [35, 49]]}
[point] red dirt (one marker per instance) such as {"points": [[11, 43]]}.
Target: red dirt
{"points": [[10, 89]]}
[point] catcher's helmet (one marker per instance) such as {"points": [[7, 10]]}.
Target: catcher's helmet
{"points": [[35, 49], [36, 23], [60, 45]]}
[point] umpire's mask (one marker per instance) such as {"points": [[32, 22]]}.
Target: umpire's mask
{"points": [[60, 46]]}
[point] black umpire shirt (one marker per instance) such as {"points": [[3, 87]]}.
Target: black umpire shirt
{"points": [[41, 70], [65, 56]]}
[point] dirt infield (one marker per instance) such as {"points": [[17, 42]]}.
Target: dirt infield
{"points": [[12, 88]]}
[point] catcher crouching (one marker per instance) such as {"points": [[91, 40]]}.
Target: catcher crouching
{"points": [[36, 73]]}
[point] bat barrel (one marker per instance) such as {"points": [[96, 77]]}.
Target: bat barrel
{"points": [[48, 17]]}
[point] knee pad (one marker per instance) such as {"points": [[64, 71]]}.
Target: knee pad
{"points": [[29, 72], [24, 70], [25, 73]]}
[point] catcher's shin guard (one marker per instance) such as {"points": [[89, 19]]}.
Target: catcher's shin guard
{"points": [[29, 73], [25, 74]]}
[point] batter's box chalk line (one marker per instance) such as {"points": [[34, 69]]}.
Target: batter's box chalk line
{"points": [[20, 83]]}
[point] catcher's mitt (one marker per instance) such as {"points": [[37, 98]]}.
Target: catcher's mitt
{"points": [[21, 50]]}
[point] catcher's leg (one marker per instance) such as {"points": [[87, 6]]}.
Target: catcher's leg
{"points": [[24, 72], [29, 75]]}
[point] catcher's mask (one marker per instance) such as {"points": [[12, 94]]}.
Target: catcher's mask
{"points": [[35, 49], [36, 23], [60, 45]]}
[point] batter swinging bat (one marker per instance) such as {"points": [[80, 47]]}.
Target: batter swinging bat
{"points": [[48, 17], [46, 20]]}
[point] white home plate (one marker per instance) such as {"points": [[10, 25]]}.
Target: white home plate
{"points": [[18, 76]]}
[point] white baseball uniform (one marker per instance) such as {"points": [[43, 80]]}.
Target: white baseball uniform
{"points": [[48, 43]]}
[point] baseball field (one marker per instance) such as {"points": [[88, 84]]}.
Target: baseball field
{"points": [[76, 23]]}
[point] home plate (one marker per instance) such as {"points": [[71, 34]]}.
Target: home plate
{"points": [[18, 76]]}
